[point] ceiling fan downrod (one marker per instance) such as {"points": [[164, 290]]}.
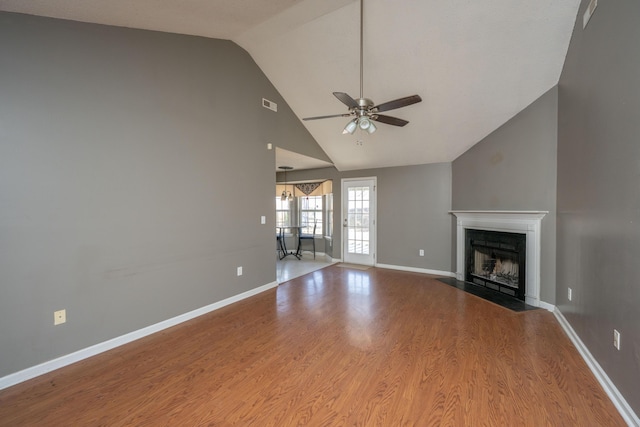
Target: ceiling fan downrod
{"points": [[363, 110], [361, 49]]}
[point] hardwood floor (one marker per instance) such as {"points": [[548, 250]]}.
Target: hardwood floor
{"points": [[337, 347]]}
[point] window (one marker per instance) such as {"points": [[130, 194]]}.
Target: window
{"points": [[358, 220], [283, 214], [329, 214], [310, 214]]}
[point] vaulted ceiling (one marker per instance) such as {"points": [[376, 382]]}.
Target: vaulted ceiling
{"points": [[474, 63]]}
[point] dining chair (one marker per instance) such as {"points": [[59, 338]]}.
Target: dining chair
{"points": [[305, 236], [279, 238]]}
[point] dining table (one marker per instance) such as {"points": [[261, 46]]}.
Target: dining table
{"points": [[281, 233]]}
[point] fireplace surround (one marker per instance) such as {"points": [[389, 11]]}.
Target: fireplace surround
{"points": [[521, 222]]}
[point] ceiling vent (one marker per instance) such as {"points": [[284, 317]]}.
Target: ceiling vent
{"points": [[269, 104]]}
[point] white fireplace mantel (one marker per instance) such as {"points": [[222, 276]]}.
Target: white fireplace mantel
{"points": [[524, 222]]}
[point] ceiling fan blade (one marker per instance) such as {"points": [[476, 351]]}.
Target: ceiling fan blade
{"points": [[346, 99], [327, 117], [398, 103], [388, 120]]}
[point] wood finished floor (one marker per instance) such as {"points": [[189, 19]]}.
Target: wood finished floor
{"points": [[337, 347]]}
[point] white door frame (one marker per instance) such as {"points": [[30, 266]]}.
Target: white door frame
{"points": [[373, 214]]}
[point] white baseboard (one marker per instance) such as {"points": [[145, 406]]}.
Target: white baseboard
{"points": [[68, 359], [547, 306], [417, 270], [618, 400], [12, 379]]}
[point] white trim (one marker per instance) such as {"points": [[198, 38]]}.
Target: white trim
{"points": [[547, 306], [417, 270], [618, 400], [527, 222], [373, 215], [68, 359]]}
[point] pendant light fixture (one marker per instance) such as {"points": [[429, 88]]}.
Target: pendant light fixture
{"points": [[283, 196]]}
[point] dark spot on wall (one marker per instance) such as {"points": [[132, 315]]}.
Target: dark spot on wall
{"points": [[496, 158]]}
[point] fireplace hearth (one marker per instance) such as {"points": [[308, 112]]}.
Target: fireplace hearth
{"points": [[496, 260], [519, 222]]}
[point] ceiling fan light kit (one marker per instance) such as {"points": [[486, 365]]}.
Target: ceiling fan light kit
{"points": [[351, 127], [366, 124], [364, 110]]}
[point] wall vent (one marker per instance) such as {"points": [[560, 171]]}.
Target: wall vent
{"points": [[587, 14], [269, 104]]}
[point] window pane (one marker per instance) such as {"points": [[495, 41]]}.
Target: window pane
{"points": [[311, 214], [283, 213], [358, 220], [329, 231]]}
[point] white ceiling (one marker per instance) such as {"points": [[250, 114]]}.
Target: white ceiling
{"points": [[474, 63], [297, 161]]}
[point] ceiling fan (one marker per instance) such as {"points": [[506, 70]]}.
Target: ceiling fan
{"points": [[363, 110]]}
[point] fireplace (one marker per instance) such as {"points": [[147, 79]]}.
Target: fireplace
{"points": [[496, 260], [528, 223]]}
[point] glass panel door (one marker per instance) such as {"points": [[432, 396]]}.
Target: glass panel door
{"points": [[358, 221]]}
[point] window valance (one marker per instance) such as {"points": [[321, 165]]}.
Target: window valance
{"points": [[300, 189]]}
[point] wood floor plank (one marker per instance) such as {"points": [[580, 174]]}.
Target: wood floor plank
{"points": [[337, 347]]}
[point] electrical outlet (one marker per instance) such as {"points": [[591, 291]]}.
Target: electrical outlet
{"points": [[421, 252], [616, 339], [239, 271], [569, 294], [59, 317], [263, 219]]}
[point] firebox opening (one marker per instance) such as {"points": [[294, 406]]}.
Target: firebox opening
{"points": [[496, 260]]}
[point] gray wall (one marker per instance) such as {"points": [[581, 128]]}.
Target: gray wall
{"points": [[514, 168], [599, 189], [413, 205], [131, 186]]}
